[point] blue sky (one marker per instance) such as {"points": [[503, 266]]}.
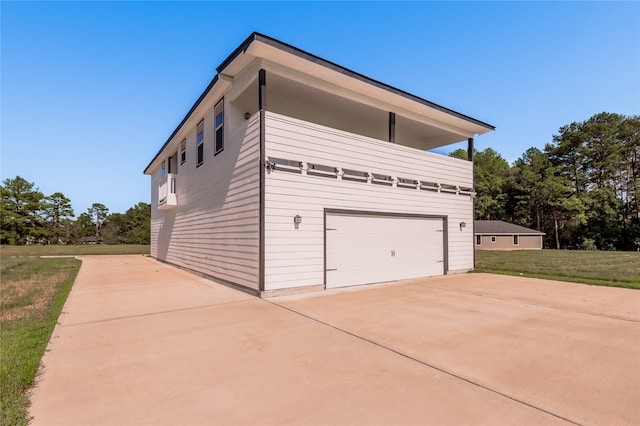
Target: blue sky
{"points": [[91, 90]]}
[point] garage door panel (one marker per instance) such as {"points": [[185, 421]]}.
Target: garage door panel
{"points": [[367, 249]]}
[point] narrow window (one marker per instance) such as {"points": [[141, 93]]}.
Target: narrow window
{"points": [[478, 240], [516, 240], [163, 170], [493, 239], [183, 151], [200, 143], [218, 111]]}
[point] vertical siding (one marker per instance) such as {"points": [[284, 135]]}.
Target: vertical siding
{"points": [[214, 228], [295, 258]]}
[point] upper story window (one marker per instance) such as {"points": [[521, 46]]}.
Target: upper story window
{"points": [[163, 170], [183, 151], [218, 112], [200, 143]]}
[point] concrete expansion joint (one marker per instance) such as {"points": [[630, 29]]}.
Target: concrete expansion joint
{"points": [[540, 305], [151, 314], [427, 364]]}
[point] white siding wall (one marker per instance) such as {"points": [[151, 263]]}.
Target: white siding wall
{"points": [[214, 229], [295, 258]]}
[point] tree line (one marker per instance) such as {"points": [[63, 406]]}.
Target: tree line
{"points": [[27, 216], [582, 189]]}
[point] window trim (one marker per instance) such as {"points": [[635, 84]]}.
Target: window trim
{"points": [[219, 127], [200, 143]]}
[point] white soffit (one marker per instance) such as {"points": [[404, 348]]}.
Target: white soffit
{"points": [[349, 86]]}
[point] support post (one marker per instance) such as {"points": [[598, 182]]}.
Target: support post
{"points": [[262, 107], [392, 127], [473, 202]]}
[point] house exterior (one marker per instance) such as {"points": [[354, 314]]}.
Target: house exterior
{"points": [[499, 235], [293, 173], [91, 240]]}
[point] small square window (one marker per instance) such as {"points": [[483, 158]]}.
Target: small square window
{"points": [[493, 239]]}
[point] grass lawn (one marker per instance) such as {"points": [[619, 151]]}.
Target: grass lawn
{"points": [[89, 249], [608, 268], [33, 292]]}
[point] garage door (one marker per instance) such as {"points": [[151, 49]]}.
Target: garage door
{"points": [[362, 249]]}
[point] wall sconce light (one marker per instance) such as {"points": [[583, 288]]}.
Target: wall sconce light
{"points": [[297, 220], [462, 225], [247, 115]]}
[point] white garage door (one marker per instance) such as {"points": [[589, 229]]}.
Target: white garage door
{"points": [[364, 249]]}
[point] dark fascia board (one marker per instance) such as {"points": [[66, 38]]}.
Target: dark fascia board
{"points": [[255, 36], [240, 49], [184, 120]]}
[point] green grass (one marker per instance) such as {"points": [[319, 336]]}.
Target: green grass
{"points": [[607, 268], [79, 250], [33, 291]]}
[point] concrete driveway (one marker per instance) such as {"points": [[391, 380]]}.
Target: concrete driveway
{"points": [[140, 342]]}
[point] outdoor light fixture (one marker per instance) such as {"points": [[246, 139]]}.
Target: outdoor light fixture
{"points": [[462, 225], [247, 115], [297, 220]]}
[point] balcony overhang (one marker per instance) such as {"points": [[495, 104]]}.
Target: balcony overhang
{"points": [[436, 125], [314, 71]]}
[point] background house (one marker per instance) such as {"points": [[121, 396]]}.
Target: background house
{"points": [[499, 235], [91, 240], [293, 173]]}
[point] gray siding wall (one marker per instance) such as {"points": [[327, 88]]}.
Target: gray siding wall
{"points": [[214, 229], [295, 258], [505, 242]]}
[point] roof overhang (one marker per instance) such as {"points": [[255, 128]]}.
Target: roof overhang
{"points": [[351, 83], [306, 68]]}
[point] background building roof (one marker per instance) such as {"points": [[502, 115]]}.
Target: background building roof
{"points": [[499, 227]]}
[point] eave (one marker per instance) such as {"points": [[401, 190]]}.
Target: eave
{"points": [[351, 83]]}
